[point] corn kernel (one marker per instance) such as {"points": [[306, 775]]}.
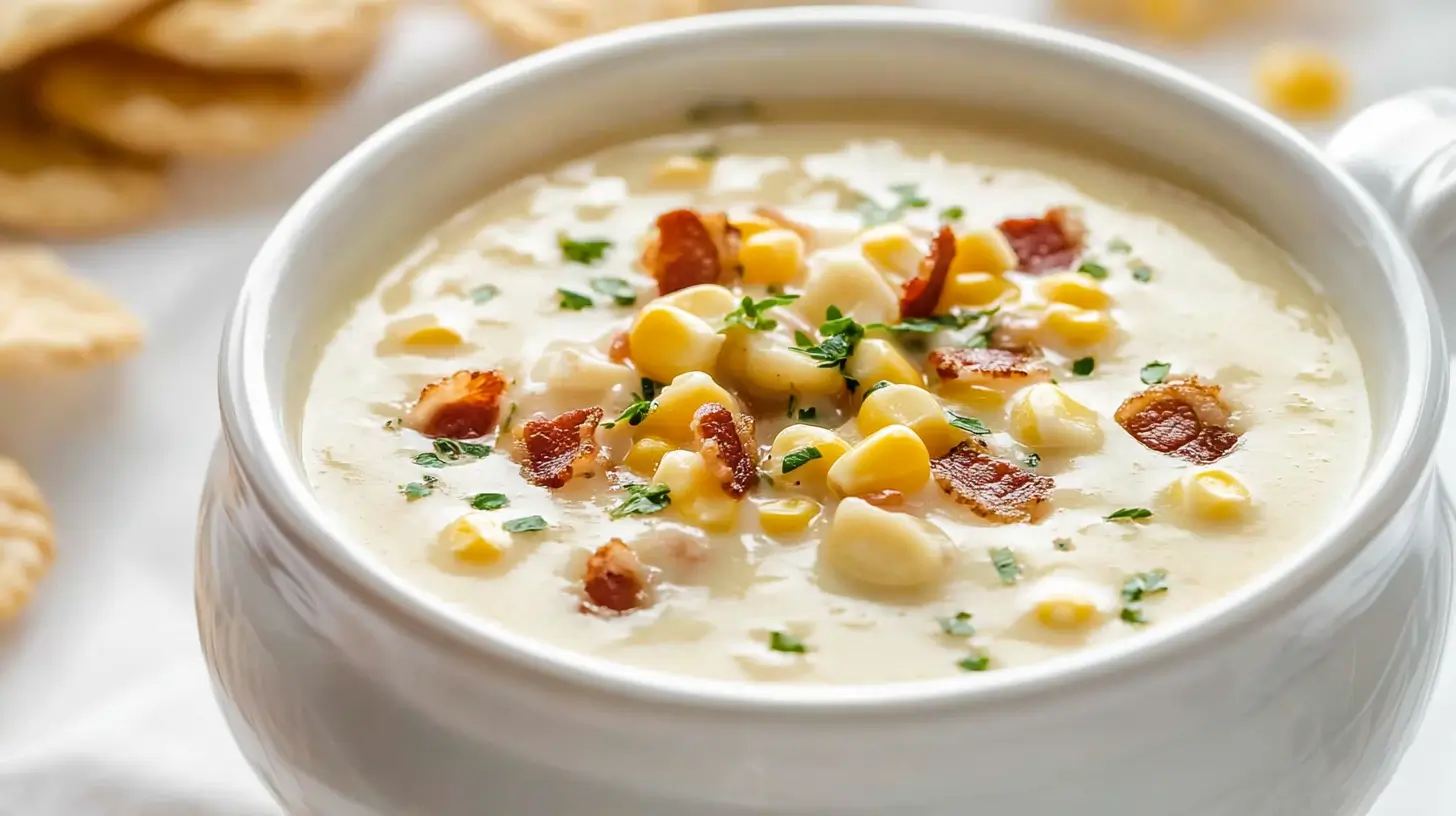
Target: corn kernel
{"points": [[478, 538], [752, 224], [893, 249], [787, 517], [851, 284], [875, 546], [798, 437], [694, 492], [1066, 613], [1068, 326], [570, 370], [765, 365], [1301, 81], [1074, 288], [911, 407], [772, 257], [1044, 416], [979, 399], [1211, 495], [646, 454], [976, 290], [875, 360], [708, 301], [424, 330], [667, 341], [892, 458], [672, 413], [1069, 604], [682, 171], [983, 251]]}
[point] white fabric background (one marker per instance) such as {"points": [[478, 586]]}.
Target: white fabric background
{"points": [[105, 706]]}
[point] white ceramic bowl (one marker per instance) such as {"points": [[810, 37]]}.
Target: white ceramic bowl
{"points": [[352, 693]]}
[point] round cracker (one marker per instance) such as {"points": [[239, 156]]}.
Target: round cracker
{"points": [[29, 27], [27, 538], [532, 25], [51, 320], [316, 37], [155, 106]]}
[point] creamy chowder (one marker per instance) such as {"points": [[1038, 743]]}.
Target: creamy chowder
{"points": [[836, 402]]}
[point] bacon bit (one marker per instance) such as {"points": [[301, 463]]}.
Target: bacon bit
{"points": [[616, 581], [691, 248], [995, 489], [885, 498], [1050, 242], [464, 405], [726, 444], [920, 294], [1185, 418], [554, 450], [991, 366], [621, 348]]}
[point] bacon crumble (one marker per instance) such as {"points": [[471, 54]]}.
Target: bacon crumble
{"points": [[621, 349], [727, 446], [691, 248], [1184, 418], [552, 451], [920, 294], [990, 366], [616, 581], [1051, 242], [464, 405], [995, 489], [884, 498]]}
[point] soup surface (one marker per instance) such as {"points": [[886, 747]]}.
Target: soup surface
{"points": [[836, 402]]}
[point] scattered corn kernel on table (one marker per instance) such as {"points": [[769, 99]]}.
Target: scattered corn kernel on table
{"points": [[105, 706]]}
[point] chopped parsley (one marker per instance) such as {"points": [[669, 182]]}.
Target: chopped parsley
{"points": [[428, 459], [749, 313], [642, 500], [809, 414], [586, 252], [976, 662], [453, 450], [525, 524], [841, 334], [484, 293], [510, 417], [950, 214], [1155, 372], [708, 153], [877, 386], [1032, 460], [1137, 588], [1084, 366], [620, 291], [1063, 544], [1142, 273], [795, 459], [641, 406], [1119, 246], [957, 625], [1129, 514], [966, 423], [785, 642], [1093, 270], [1005, 562], [907, 197], [489, 501], [723, 110], [574, 301], [418, 490], [393, 424], [793, 400], [957, 319]]}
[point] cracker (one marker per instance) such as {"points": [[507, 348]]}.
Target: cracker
{"points": [[532, 25], [316, 37], [52, 321], [27, 538], [29, 27], [158, 107]]}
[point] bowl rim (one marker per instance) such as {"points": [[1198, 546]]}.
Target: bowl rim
{"points": [[263, 456]]}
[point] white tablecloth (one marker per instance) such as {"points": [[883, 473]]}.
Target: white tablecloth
{"points": [[105, 705]]}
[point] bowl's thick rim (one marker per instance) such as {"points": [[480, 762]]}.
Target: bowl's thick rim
{"points": [[262, 454]]}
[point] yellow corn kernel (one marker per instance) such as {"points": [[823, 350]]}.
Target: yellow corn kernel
{"points": [[752, 224], [893, 249], [892, 458], [646, 454], [875, 360], [979, 399], [1067, 603], [478, 538], [787, 517], [1068, 326], [570, 370], [694, 492], [667, 341], [1067, 613], [798, 437], [1301, 81], [424, 330], [708, 301], [1211, 495], [975, 290], [672, 413], [1044, 416], [851, 284], [772, 257], [1074, 288], [875, 546], [911, 407], [983, 251], [682, 171], [765, 365]]}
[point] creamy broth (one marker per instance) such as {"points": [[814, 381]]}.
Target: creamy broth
{"points": [[1189, 285]]}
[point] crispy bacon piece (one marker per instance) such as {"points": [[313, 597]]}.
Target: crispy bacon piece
{"points": [[991, 366], [554, 450], [995, 489], [616, 580], [464, 405], [1184, 418], [921, 293], [885, 498], [1051, 242], [691, 248], [728, 447], [621, 349]]}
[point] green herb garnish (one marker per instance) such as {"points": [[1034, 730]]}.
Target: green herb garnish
{"points": [[510, 417], [489, 501], [1155, 372], [950, 214], [1119, 246], [1137, 588], [795, 459], [453, 450], [877, 386], [1033, 460], [526, 524], [841, 334], [708, 153], [1063, 544], [1129, 514], [641, 406], [957, 625], [573, 301], [793, 400], [808, 414], [749, 313], [586, 251], [1084, 366], [1005, 562], [975, 663], [957, 319], [418, 490], [966, 423], [620, 291], [785, 642], [1094, 270], [484, 293], [1142, 273], [429, 460], [393, 424], [642, 500], [907, 197]]}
